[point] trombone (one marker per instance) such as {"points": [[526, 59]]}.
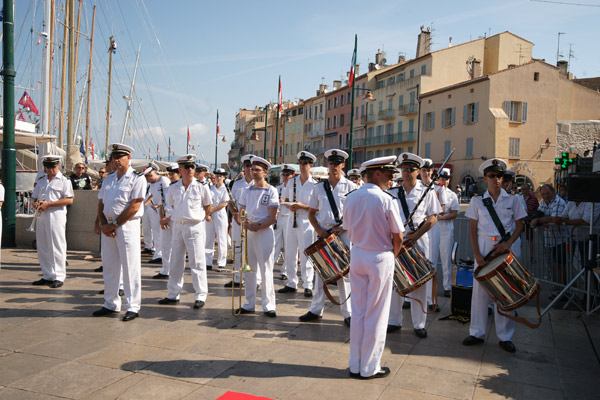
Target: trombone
{"points": [[245, 267], [36, 215]]}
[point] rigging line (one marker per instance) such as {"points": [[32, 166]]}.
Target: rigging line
{"points": [[566, 3], [153, 103]]}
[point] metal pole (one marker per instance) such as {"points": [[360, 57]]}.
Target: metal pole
{"points": [[350, 146], [110, 54], [130, 97], [418, 123], [9, 155], [89, 86], [45, 70], [265, 137], [279, 100], [61, 120], [216, 138], [50, 64], [72, 74]]}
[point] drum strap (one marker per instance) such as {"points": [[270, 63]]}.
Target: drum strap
{"points": [[488, 203], [522, 320], [330, 297], [404, 204], [334, 209], [433, 297]]}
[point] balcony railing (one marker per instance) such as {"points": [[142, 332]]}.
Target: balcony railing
{"points": [[407, 109], [385, 139], [367, 119], [386, 114]]}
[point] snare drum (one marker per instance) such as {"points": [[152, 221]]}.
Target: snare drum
{"points": [[330, 257], [507, 282], [412, 270]]}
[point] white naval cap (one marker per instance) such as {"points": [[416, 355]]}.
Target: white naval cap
{"points": [[353, 172], [427, 163], [410, 159], [187, 159], [120, 149], [509, 172], [173, 167], [289, 168], [336, 155], [201, 167], [306, 156], [149, 168], [220, 171], [387, 162], [50, 159], [247, 157], [445, 173], [492, 165], [262, 162]]}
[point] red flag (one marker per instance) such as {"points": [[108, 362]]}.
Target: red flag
{"points": [[92, 147], [352, 64], [21, 117], [279, 106], [218, 129], [27, 102], [189, 139]]}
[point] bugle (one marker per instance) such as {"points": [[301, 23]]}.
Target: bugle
{"points": [[245, 267], [35, 216]]}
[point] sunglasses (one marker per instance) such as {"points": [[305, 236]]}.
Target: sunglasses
{"points": [[188, 166], [247, 165], [335, 162], [257, 169], [80, 167], [285, 174], [305, 162], [407, 169], [101, 172], [495, 176]]}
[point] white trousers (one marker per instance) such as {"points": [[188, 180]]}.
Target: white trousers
{"points": [[418, 315], [505, 328], [318, 302], [298, 238], [122, 254], [190, 238], [445, 248], [260, 258], [236, 235], [371, 281], [217, 227], [280, 232], [147, 228], [166, 236], [50, 236], [156, 233]]}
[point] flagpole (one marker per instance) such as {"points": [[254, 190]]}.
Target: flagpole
{"points": [[169, 149], [216, 138], [187, 146], [350, 153], [277, 120]]}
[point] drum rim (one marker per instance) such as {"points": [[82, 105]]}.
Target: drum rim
{"points": [[511, 257], [417, 284], [319, 244], [524, 300]]}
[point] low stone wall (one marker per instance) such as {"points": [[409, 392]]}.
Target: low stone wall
{"points": [[576, 136]]}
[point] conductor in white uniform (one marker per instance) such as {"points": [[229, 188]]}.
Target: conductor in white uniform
{"points": [[119, 211], [372, 219]]}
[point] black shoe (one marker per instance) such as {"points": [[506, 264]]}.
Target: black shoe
{"points": [[104, 312], [422, 333], [393, 328], [307, 293], [198, 304], [430, 308], [221, 268], [347, 321], [309, 317], [283, 277], [385, 371], [472, 340], [121, 292], [99, 269], [270, 314], [242, 310], [169, 301], [101, 292], [447, 293], [160, 276], [56, 284], [129, 316], [42, 282], [287, 289], [354, 375], [147, 251], [209, 267], [406, 305], [232, 284], [155, 261], [507, 346]]}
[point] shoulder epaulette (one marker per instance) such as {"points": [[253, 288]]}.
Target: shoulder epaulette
{"points": [[138, 173], [44, 175], [393, 197]]}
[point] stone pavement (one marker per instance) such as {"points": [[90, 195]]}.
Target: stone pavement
{"points": [[51, 347]]}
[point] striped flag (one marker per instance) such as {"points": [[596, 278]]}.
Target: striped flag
{"points": [[189, 139], [280, 98], [353, 63]]}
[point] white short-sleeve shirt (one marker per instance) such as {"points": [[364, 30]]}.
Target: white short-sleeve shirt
{"points": [[283, 211], [155, 190], [508, 208], [258, 202], [320, 202], [188, 204], [117, 194], [303, 192], [450, 200], [58, 188], [238, 188]]}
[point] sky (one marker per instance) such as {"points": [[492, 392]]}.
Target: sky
{"points": [[200, 56]]}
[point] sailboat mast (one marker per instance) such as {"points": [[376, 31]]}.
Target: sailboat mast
{"points": [[89, 85], [63, 79], [110, 54], [130, 97], [45, 69], [72, 74], [51, 62]]}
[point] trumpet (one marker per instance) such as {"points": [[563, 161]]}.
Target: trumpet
{"points": [[245, 267], [35, 216]]}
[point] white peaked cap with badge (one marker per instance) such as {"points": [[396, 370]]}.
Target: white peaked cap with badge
{"points": [[493, 164], [247, 157], [187, 159], [289, 167], [262, 162], [445, 172], [50, 158], [353, 172], [149, 168], [306, 155], [120, 148], [220, 171], [427, 163], [410, 159], [386, 162], [336, 153]]}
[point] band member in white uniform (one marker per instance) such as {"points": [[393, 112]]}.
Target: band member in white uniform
{"points": [[191, 204], [485, 236], [217, 227], [166, 225], [200, 173], [446, 222], [354, 177], [147, 224], [119, 211], [52, 194], [261, 203], [323, 220], [507, 185], [300, 233], [280, 228], [158, 191], [372, 219], [236, 192], [423, 219]]}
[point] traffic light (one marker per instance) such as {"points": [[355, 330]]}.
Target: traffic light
{"points": [[565, 160]]}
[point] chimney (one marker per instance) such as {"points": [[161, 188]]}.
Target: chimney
{"points": [[372, 67], [322, 89], [450, 42], [337, 85], [380, 57], [476, 69], [423, 42], [562, 68], [356, 70], [401, 58]]}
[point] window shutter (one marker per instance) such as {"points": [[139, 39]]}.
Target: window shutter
{"points": [[507, 108], [432, 120], [452, 115], [444, 118], [524, 112], [465, 113], [476, 117], [425, 121]]}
